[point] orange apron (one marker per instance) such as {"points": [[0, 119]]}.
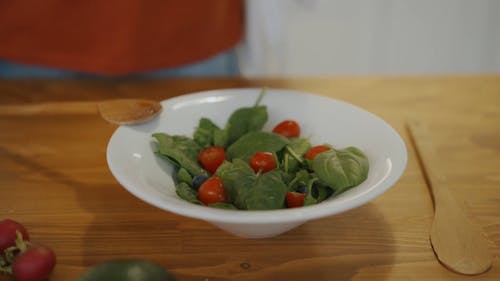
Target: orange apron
{"points": [[117, 36]]}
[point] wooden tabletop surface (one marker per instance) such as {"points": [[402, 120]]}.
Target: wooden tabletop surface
{"points": [[54, 179]]}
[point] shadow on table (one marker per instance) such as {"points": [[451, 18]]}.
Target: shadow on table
{"points": [[334, 248]]}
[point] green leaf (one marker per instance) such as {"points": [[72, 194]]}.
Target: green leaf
{"points": [[249, 191], [184, 176], [323, 191], [226, 206], [285, 177], [294, 153], [125, 269], [183, 150], [267, 193], [21, 244], [233, 174], [221, 137], [310, 199], [185, 192], [341, 169], [6, 269], [244, 120], [245, 147], [301, 177], [204, 133]]}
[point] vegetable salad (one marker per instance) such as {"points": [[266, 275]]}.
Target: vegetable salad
{"points": [[240, 166]]}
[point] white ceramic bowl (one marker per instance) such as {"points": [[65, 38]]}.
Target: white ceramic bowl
{"points": [[132, 161]]}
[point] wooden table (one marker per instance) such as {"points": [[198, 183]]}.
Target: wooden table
{"points": [[54, 179]]}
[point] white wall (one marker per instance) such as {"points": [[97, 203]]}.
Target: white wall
{"points": [[351, 37]]}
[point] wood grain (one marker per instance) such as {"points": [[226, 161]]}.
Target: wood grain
{"points": [[458, 243], [54, 179]]}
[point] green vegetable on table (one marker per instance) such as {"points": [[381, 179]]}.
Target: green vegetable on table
{"points": [[127, 270], [256, 169]]}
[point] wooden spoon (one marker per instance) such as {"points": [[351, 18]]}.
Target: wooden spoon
{"points": [[128, 111], [117, 111], [458, 244]]}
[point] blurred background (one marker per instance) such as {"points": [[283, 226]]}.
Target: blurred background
{"points": [[371, 37], [252, 38]]}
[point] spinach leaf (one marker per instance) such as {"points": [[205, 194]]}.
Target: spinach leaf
{"points": [[293, 153], [249, 191], [341, 169], [245, 147], [246, 119], [227, 206], [221, 137], [286, 178], [324, 191], [268, 192], [204, 133], [185, 192], [184, 176], [301, 177], [316, 192], [310, 198], [234, 174], [182, 150]]}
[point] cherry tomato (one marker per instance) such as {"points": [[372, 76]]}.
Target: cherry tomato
{"points": [[287, 128], [35, 264], [8, 234], [263, 161], [315, 150], [211, 158], [212, 191], [295, 199]]}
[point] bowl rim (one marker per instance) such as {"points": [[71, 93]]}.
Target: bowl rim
{"points": [[323, 209]]}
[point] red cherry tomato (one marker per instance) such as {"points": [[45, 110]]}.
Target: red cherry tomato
{"points": [[211, 158], [287, 128], [315, 150], [8, 234], [263, 161], [212, 191], [295, 199], [35, 264]]}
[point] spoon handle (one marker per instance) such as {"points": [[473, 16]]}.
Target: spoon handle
{"points": [[429, 161], [56, 108]]}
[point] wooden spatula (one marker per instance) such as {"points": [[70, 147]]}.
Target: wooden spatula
{"points": [[457, 243], [128, 111]]}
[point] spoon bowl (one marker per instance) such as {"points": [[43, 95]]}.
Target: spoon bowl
{"points": [[128, 111]]}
